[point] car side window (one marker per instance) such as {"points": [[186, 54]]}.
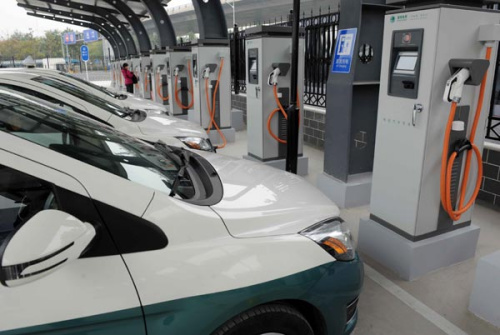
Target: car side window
{"points": [[21, 197], [52, 100]]}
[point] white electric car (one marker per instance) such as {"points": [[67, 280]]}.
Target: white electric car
{"points": [[101, 233], [150, 127], [123, 100]]}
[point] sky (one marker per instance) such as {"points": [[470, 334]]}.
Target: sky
{"points": [[14, 18]]}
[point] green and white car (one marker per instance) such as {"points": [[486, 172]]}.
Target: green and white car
{"points": [[101, 233]]}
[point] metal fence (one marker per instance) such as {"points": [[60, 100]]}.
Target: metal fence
{"points": [[493, 129], [320, 33], [238, 63]]}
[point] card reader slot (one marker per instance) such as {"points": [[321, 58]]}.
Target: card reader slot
{"points": [[408, 84]]}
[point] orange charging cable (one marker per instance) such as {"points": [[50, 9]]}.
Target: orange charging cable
{"points": [[279, 109], [177, 100], [447, 163], [211, 110], [159, 89]]}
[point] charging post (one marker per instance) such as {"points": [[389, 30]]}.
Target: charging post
{"points": [[428, 166], [211, 74], [270, 92]]}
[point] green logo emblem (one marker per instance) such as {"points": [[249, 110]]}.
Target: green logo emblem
{"points": [[393, 19]]}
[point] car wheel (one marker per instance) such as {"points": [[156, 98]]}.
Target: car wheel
{"points": [[267, 320]]}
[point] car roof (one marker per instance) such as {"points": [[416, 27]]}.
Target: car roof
{"points": [[30, 70], [26, 69], [17, 75]]}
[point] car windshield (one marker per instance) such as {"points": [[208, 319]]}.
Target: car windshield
{"points": [[84, 95], [89, 84], [88, 142]]}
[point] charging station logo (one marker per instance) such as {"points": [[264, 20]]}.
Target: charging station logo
{"points": [[398, 18]]}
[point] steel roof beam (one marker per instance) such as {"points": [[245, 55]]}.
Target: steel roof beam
{"points": [[162, 21], [98, 21], [140, 32], [91, 25], [211, 19], [105, 14]]}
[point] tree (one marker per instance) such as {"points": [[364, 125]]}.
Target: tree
{"points": [[51, 45], [21, 45], [95, 50]]}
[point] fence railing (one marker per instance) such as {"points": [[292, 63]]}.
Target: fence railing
{"points": [[238, 62], [320, 34], [493, 126]]}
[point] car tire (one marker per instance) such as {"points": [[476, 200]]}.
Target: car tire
{"points": [[273, 319]]}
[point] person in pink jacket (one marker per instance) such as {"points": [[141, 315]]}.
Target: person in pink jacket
{"points": [[128, 75]]}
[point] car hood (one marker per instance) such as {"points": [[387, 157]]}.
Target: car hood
{"points": [[170, 126], [133, 102], [263, 201]]}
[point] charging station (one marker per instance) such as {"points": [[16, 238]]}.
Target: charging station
{"points": [[428, 147], [268, 59], [211, 72], [159, 82], [142, 69], [180, 81]]}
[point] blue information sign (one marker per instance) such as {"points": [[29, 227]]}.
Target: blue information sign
{"points": [[344, 49], [69, 38], [84, 51], [90, 35]]}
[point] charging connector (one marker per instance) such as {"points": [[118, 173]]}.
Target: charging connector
{"points": [[206, 73], [455, 86], [273, 77]]}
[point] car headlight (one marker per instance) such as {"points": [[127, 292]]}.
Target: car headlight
{"points": [[334, 237], [197, 143]]}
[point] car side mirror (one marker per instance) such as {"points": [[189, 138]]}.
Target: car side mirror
{"points": [[45, 243]]}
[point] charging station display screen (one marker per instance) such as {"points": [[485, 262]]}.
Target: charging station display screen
{"points": [[407, 63]]}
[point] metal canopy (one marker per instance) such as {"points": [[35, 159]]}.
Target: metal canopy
{"points": [[90, 25], [135, 22], [130, 11], [102, 25], [162, 22], [91, 10], [211, 19]]}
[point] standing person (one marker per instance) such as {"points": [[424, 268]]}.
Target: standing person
{"points": [[128, 75]]}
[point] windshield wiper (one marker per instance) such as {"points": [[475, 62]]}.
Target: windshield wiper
{"points": [[182, 172], [128, 111], [181, 159]]}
